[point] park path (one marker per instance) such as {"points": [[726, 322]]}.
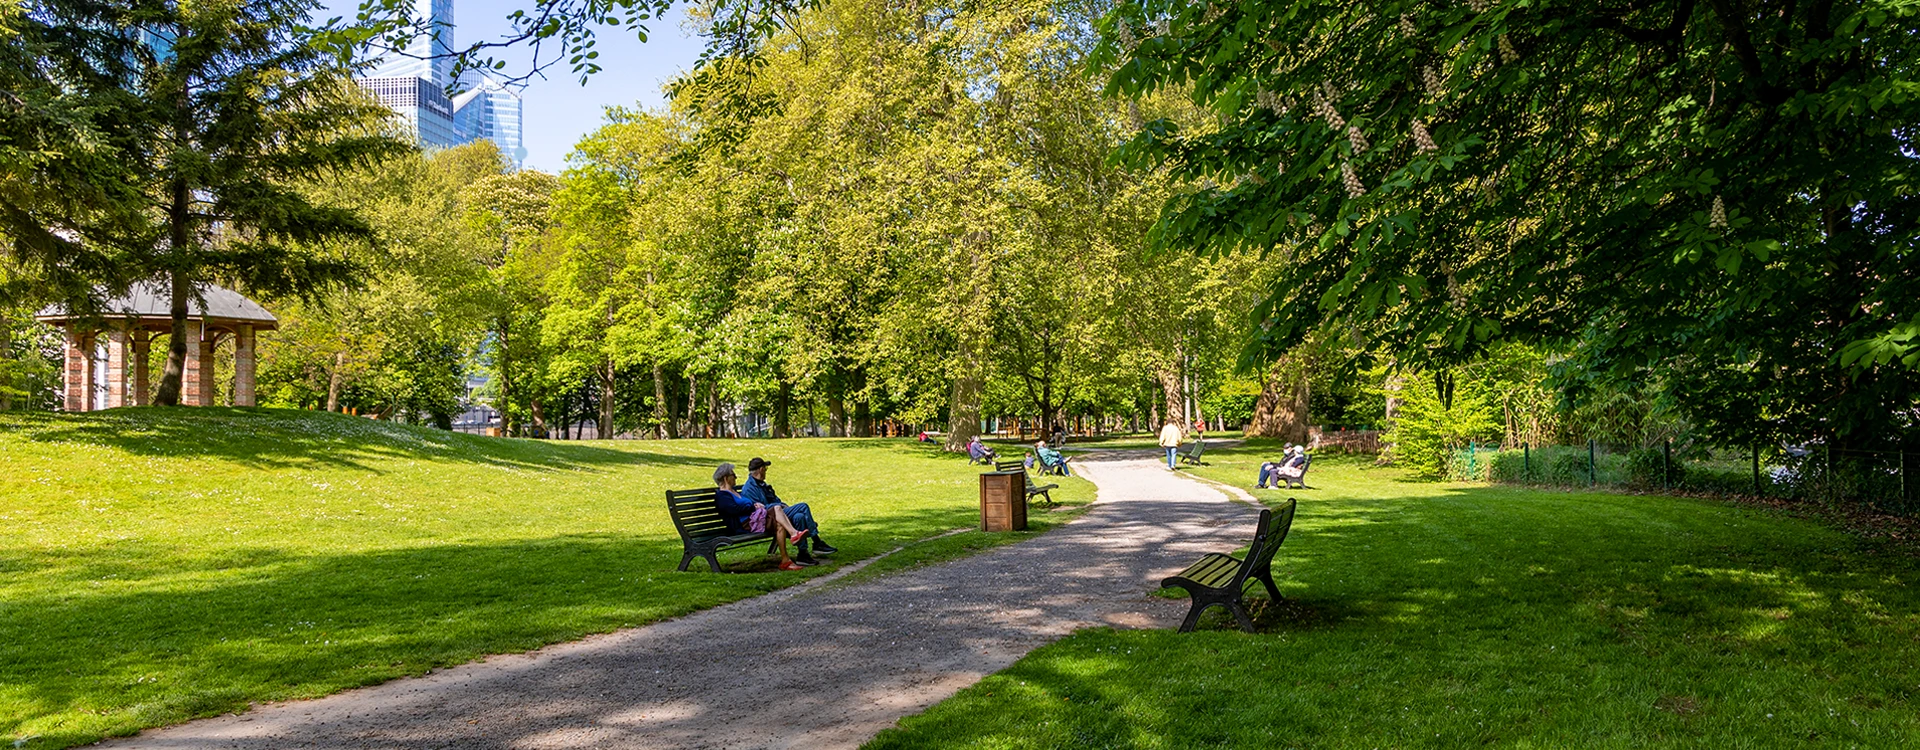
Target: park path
{"points": [[807, 667]]}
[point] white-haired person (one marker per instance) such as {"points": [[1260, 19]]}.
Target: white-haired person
{"points": [[746, 516], [1292, 466]]}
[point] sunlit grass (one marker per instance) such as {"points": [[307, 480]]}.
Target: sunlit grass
{"points": [[161, 565], [1449, 615]]}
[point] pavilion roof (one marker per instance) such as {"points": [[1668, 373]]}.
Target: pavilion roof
{"points": [[148, 300]]}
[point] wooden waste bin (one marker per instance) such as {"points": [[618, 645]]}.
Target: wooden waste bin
{"points": [[1003, 501]]}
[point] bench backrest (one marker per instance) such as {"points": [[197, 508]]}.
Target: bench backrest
{"points": [[1198, 447], [696, 513], [1274, 526], [1010, 466]]}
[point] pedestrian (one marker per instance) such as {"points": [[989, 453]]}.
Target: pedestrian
{"points": [[1170, 440]]}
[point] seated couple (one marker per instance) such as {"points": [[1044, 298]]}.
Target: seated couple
{"points": [[756, 509], [979, 451], [1050, 460], [1288, 469]]}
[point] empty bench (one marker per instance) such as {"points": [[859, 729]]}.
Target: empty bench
{"points": [[1192, 454], [1220, 580], [1045, 491], [703, 532]]}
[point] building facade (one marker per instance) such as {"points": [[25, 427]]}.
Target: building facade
{"points": [[413, 82]]}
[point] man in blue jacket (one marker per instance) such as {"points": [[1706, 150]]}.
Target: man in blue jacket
{"points": [[758, 491]]}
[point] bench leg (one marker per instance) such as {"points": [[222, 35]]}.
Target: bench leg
{"points": [[1240, 613], [685, 559], [1193, 615], [1272, 590], [713, 562]]}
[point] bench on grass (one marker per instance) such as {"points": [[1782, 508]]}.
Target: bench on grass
{"points": [[1299, 482], [703, 532], [1192, 455], [1045, 491], [1218, 579]]}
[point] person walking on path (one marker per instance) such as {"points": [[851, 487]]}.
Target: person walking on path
{"points": [[1170, 440], [757, 490]]}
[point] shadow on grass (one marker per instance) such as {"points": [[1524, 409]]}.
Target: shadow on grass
{"points": [[282, 438]]}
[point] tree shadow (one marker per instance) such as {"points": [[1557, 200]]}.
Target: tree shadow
{"points": [[287, 438]]}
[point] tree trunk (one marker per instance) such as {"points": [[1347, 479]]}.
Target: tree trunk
{"points": [[1282, 411], [714, 427], [504, 402], [963, 413], [6, 353], [538, 411], [836, 416], [782, 406], [862, 419], [662, 416], [603, 423], [692, 427], [1175, 393], [334, 381], [181, 290]]}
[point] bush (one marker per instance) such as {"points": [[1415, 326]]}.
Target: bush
{"points": [[1644, 468]]}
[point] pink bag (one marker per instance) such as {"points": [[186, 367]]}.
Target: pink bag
{"points": [[757, 523]]}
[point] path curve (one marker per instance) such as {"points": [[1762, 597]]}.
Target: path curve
{"points": [[829, 667]]}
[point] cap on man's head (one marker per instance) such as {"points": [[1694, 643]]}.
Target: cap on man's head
{"points": [[758, 463], [723, 471]]}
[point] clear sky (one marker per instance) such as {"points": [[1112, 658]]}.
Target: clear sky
{"points": [[559, 110]]}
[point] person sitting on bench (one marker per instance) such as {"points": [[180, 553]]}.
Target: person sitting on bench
{"points": [[1293, 466], [979, 451], [744, 516], [1050, 459], [757, 490]]}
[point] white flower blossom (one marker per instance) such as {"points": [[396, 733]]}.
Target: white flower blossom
{"points": [[1507, 53], [1160, 27], [1422, 140], [1357, 139], [1125, 35], [1354, 188], [1717, 217], [1328, 113], [1432, 80], [1406, 26], [1478, 6]]}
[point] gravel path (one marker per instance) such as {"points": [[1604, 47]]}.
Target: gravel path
{"points": [[821, 667]]}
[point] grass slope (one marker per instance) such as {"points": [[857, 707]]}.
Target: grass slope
{"points": [[159, 565], [1450, 615]]}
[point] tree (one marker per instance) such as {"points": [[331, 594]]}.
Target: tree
{"points": [[1647, 185], [241, 108]]}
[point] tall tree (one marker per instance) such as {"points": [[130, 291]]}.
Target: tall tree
{"points": [[242, 107]]}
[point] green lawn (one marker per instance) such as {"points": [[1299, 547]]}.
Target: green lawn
{"points": [[1451, 615], [162, 565]]}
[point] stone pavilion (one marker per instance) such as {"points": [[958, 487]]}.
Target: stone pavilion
{"points": [[107, 357]]}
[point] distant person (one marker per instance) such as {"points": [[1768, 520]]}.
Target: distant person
{"points": [[1051, 460], [1170, 440], [745, 516], [757, 490], [978, 451], [1292, 466]]}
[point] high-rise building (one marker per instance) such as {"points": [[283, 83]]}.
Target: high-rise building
{"points": [[413, 82]]}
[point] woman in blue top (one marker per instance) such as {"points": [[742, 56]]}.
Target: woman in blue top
{"points": [[739, 513]]}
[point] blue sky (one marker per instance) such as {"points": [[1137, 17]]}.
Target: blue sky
{"points": [[559, 110]]}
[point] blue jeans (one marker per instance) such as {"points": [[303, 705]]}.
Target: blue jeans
{"points": [[1171, 453], [802, 518], [1268, 470]]}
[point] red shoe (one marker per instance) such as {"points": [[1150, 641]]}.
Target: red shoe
{"points": [[791, 565], [795, 539]]}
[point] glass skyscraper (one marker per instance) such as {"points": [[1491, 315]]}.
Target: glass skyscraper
{"points": [[413, 83]]}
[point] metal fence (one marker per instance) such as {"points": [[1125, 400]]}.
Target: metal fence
{"points": [[1882, 480]]}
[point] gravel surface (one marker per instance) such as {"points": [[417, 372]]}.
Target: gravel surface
{"points": [[805, 667]]}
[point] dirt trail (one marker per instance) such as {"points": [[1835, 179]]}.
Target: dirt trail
{"points": [[807, 667]]}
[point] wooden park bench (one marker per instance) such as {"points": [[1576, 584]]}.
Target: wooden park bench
{"points": [[1299, 482], [1218, 579], [703, 531], [1045, 491], [1192, 454]]}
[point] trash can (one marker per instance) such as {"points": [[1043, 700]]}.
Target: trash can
{"points": [[1003, 501]]}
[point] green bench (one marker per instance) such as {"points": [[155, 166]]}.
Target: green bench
{"points": [[1045, 491], [1220, 580], [1192, 455], [703, 532]]}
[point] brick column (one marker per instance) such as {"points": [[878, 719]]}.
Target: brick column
{"points": [[78, 385], [142, 355], [190, 375], [116, 367], [208, 341], [243, 365]]}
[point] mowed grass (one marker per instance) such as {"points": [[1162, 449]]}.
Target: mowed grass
{"points": [[1451, 615], [160, 565]]}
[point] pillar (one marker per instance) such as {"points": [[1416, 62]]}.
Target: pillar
{"points": [[209, 340], [243, 365], [142, 355], [190, 375], [78, 385], [116, 367]]}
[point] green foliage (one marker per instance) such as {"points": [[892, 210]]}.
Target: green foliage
{"points": [[1439, 414], [1631, 183]]}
